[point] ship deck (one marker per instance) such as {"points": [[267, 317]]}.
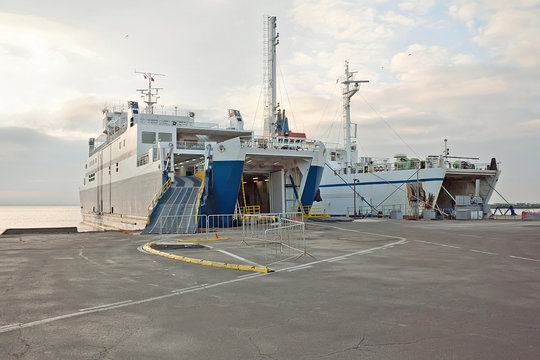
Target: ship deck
{"points": [[374, 289]]}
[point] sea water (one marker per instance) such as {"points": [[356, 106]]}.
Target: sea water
{"points": [[41, 216]]}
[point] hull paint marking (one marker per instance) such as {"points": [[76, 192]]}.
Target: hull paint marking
{"points": [[382, 182]]}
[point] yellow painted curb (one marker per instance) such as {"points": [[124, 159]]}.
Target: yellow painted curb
{"points": [[148, 248], [199, 240]]}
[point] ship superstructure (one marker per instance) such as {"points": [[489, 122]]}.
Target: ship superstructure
{"points": [[160, 162]]}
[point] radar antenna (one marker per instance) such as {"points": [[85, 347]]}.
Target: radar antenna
{"points": [[149, 95]]}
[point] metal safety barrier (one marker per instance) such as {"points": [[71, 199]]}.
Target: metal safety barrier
{"points": [[283, 235], [247, 225], [285, 241], [280, 236]]}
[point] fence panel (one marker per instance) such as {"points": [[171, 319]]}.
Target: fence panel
{"points": [[285, 241], [282, 236], [223, 223]]}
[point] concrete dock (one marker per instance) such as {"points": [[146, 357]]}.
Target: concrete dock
{"points": [[372, 289]]}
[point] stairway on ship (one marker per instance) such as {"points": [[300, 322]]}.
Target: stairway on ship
{"points": [[176, 211]]}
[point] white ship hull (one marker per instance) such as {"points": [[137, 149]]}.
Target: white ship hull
{"points": [[379, 193], [125, 202]]}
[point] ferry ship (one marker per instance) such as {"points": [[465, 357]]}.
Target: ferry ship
{"points": [[441, 184], [154, 162]]}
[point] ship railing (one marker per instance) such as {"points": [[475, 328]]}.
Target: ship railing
{"points": [[405, 209], [468, 164], [144, 159], [200, 167], [251, 209], [378, 165], [156, 198], [104, 139], [171, 110], [190, 145], [262, 142], [255, 142], [384, 210], [311, 210], [361, 211], [117, 108], [167, 122], [178, 122]]}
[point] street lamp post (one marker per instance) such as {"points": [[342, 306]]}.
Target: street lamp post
{"points": [[354, 195]]}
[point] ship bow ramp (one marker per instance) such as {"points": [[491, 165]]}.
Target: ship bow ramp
{"points": [[176, 211], [256, 177]]}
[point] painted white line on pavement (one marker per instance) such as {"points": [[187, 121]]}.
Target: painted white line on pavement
{"points": [[484, 252], [106, 305], [523, 258], [190, 287], [245, 276], [300, 268], [361, 252], [439, 244], [237, 257], [10, 327]]}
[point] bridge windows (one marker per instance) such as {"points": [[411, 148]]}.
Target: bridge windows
{"points": [[148, 137], [164, 137]]}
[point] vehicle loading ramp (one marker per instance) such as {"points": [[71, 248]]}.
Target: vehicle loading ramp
{"points": [[176, 210]]}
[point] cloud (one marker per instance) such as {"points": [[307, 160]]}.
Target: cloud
{"points": [[73, 119], [39, 169], [43, 37], [300, 59], [37, 54], [508, 45], [341, 18], [394, 18], [418, 6], [509, 30]]}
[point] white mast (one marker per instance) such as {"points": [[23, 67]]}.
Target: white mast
{"points": [[269, 51], [149, 95], [348, 93]]}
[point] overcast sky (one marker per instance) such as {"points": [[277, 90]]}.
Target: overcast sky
{"points": [[464, 70]]}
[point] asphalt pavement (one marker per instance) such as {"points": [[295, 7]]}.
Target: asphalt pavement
{"points": [[371, 289]]}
